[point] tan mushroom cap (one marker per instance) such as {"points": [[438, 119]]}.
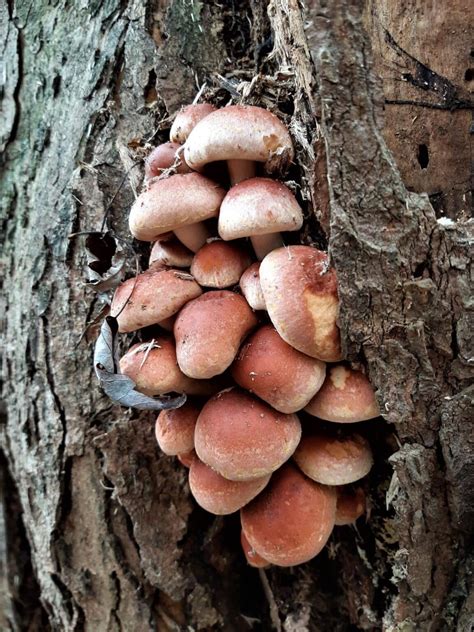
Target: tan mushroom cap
{"points": [[163, 157], [279, 374], [242, 438], [251, 555], [300, 291], [219, 264], [209, 332], [258, 206], [187, 118], [153, 367], [251, 288], [152, 297], [218, 495], [174, 429], [345, 397], [168, 251], [334, 460], [240, 132], [172, 203], [291, 520], [351, 505]]}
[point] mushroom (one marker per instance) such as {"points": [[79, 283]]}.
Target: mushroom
{"points": [[279, 374], [259, 208], [209, 332], [291, 520], [251, 288], [175, 432], [168, 251], [345, 397], [242, 438], [241, 135], [187, 118], [219, 264], [151, 297], [186, 458], [251, 555], [300, 291], [334, 460], [164, 157], [179, 203], [351, 505], [153, 367], [218, 495]]}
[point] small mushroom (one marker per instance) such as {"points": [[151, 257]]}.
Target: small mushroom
{"points": [[242, 438], [351, 505], [345, 397], [164, 157], [251, 288], [332, 460], [210, 331], [152, 297], [251, 555], [168, 251], [300, 291], [279, 374], [241, 135], [259, 208], [219, 264], [187, 118], [186, 458], [291, 520], [218, 495], [175, 432]]}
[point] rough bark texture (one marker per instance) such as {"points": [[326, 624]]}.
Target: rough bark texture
{"points": [[107, 537]]}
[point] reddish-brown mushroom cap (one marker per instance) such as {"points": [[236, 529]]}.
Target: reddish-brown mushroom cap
{"points": [[300, 291], [279, 374], [242, 438], [187, 118], [291, 520], [251, 555], [219, 264], [345, 397], [151, 297], [172, 203], [186, 458], [210, 331], [218, 495], [351, 505], [168, 251], [334, 460], [174, 429], [163, 157], [153, 367], [251, 288]]}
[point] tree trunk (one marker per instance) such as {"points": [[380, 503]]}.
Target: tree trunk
{"points": [[100, 529]]}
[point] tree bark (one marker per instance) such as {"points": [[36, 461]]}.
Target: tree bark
{"points": [[107, 537]]}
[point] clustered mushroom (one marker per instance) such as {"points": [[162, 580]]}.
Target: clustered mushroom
{"points": [[255, 343]]}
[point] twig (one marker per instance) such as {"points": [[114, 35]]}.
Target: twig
{"points": [[274, 613]]}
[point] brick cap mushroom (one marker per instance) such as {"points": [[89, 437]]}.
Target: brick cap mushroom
{"points": [[187, 118], [251, 288], [300, 291], [345, 397], [242, 438], [351, 505], [175, 433], [334, 460], [291, 520], [276, 372], [217, 494], [164, 157], [251, 555], [168, 251], [219, 264]]}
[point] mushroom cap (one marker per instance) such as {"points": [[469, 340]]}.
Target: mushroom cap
{"points": [[300, 292], [173, 202], [174, 429], [187, 118], [251, 555], [334, 460], [219, 264], [345, 397], [291, 520], [251, 288], [240, 132], [209, 332], [351, 504], [217, 494], [163, 157], [153, 368], [186, 458], [242, 438], [151, 297], [258, 206], [168, 251], [279, 374]]}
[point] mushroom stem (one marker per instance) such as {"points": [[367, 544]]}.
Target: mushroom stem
{"points": [[193, 236], [263, 244], [240, 170]]}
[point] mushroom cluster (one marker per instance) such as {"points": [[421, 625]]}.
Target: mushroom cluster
{"points": [[250, 334]]}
